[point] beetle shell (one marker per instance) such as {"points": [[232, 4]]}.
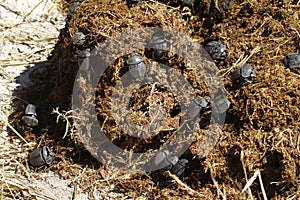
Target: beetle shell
{"points": [[160, 157], [159, 44], [165, 160], [30, 121], [247, 71], [30, 110], [189, 3], [244, 72], [179, 168], [222, 105], [168, 163], [292, 60], [41, 157], [203, 102], [137, 67], [85, 53], [197, 105], [130, 2], [138, 70], [171, 160], [217, 51], [193, 110], [74, 6], [134, 59]]}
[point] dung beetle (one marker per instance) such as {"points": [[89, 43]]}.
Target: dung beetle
{"points": [[137, 67], [222, 105], [203, 102], [159, 44], [189, 3], [84, 54], [74, 6], [197, 105], [244, 73], [131, 2], [217, 51], [220, 109], [30, 110], [292, 61], [41, 157], [165, 160], [29, 119], [180, 167]]}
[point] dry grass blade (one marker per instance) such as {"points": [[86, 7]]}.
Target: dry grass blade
{"points": [[4, 184], [31, 190], [252, 179], [245, 173], [241, 61], [29, 13], [3, 118], [182, 185], [6, 74], [296, 195], [216, 183]]}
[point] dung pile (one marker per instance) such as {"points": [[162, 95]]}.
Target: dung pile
{"points": [[262, 128]]}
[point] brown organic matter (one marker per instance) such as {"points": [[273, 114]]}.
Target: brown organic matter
{"points": [[262, 128]]}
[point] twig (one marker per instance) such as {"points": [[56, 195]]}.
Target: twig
{"points": [[180, 183]]}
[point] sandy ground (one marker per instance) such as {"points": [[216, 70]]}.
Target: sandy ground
{"points": [[29, 31]]}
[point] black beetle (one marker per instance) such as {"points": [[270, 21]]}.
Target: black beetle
{"points": [[180, 167], [158, 43], [220, 109], [197, 105], [203, 102], [74, 6], [137, 67], [30, 110], [217, 51], [222, 105], [41, 157], [292, 61], [29, 119], [189, 3], [166, 160], [245, 73], [131, 2], [84, 54]]}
